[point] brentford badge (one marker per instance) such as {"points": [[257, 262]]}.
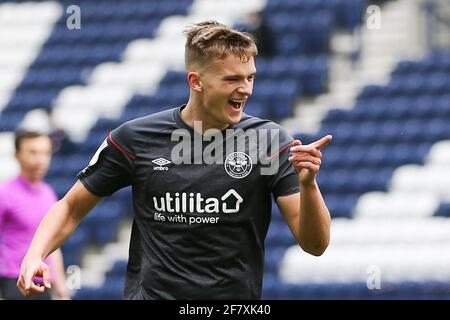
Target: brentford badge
{"points": [[238, 165]]}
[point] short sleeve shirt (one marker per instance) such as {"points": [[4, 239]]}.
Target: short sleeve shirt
{"points": [[202, 202]]}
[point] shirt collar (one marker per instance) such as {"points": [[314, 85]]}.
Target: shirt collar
{"points": [[27, 184]]}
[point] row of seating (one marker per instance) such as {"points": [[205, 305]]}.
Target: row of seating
{"points": [[105, 32], [375, 156], [391, 131], [409, 290], [436, 84], [351, 180], [47, 78], [390, 231], [125, 10], [309, 34], [347, 13], [437, 61], [273, 288], [400, 109], [78, 56], [112, 289]]}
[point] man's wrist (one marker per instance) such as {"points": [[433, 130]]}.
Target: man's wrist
{"points": [[308, 185]]}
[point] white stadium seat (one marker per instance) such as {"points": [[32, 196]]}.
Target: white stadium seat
{"points": [[353, 263], [404, 204], [428, 178], [440, 154]]}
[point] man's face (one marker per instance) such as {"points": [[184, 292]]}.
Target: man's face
{"points": [[34, 156], [227, 83]]}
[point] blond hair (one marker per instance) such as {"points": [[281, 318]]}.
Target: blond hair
{"points": [[212, 40]]}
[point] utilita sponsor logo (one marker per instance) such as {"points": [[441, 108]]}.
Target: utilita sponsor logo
{"points": [[194, 202]]}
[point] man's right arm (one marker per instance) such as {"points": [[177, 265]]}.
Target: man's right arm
{"points": [[57, 225]]}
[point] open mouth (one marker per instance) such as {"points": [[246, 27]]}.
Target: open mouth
{"points": [[236, 104]]}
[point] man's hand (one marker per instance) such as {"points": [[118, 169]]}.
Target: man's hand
{"points": [[30, 269], [308, 158]]}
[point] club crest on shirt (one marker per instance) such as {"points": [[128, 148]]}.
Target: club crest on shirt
{"points": [[238, 165]]}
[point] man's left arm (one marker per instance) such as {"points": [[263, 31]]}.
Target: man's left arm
{"points": [[306, 212]]}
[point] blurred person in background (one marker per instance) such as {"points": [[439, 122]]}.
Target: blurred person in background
{"points": [[221, 256], [255, 25], [24, 201]]}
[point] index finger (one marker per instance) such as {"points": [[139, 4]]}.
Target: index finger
{"points": [[322, 142]]}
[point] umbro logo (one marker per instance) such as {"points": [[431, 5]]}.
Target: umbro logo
{"points": [[161, 161], [161, 164]]}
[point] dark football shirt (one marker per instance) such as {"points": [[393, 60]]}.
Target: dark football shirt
{"points": [[199, 228]]}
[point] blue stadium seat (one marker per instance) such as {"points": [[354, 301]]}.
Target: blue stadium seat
{"points": [[272, 259], [371, 91], [279, 235], [112, 289], [104, 219], [257, 109], [443, 210], [349, 13], [73, 246], [118, 269]]}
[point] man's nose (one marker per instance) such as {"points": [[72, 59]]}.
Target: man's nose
{"points": [[42, 159], [246, 88]]}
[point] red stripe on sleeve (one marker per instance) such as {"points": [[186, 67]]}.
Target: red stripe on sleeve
{"points": [[277, 153], [128, 154]]}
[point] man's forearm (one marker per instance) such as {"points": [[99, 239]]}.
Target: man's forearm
{"points": [[62, 219], [314, 220], [56, 227]]}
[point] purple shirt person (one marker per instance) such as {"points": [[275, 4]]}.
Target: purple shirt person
{"points": [[23, 203], [22, 207]]}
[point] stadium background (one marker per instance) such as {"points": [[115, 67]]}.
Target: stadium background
{"points": [[376, 77]]}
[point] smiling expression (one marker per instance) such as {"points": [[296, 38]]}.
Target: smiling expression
{"points": [[225, 86]]}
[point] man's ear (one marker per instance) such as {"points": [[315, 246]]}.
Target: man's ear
{"points": [[194, 81]]}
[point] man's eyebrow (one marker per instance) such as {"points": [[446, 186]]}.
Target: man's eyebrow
{"points": [[237, 76]]}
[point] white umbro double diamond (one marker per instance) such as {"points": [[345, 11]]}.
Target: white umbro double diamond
{"points": [[161, 162]]}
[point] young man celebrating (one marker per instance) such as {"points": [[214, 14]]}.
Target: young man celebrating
{"points": [[23, 203], [199, 225]]}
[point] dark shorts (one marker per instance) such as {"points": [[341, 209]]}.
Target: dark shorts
{"points": [[9, 291]]}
